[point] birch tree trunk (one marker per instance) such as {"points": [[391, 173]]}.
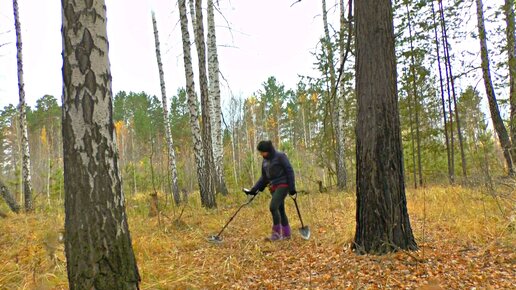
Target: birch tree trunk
{"points": [[503, 136], [511, 52], [98, 246], [340, 136], [9, 198], [383, 223], [205, 185], [168, 134], [206, 127], [26, 164], [216, 118], [336, 113]]}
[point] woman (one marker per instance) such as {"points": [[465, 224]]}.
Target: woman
{"points": [[278, 174]]}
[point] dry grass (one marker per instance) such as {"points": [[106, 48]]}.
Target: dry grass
{"points": [[465, 236]]}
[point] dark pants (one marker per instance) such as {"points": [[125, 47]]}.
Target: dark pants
{"points": [[277, 207]]}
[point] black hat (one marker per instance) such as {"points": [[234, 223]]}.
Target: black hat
{"points": [[265, 146]]}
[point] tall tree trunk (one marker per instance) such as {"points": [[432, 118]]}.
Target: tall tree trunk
{"points": [[412, 140], [454, 95], [335, 110], [503, 136], [340, 136], [170, 143], [216, 111], [382, 218], [448, 89], [205, 184], [26, 164], [9, 198], [443, 103], [511, 52], [98, 246], [206, 128], [415, 96]]}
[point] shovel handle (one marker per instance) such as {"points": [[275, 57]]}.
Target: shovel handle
{"points": [[298, 212]]}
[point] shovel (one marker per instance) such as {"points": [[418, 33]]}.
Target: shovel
{"points": [[217, 239], [304, 230]]}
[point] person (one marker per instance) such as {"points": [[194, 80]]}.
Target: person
{"points": [[278, 174]]}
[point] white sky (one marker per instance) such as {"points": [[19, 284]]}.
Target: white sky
{"points": [[268, 38]]}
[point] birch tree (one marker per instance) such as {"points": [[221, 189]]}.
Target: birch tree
{"points": [[26, 164], [214, 93], [511, 53], [341, 136], [168, 134], [207, 194], [98, 246], [9, 198], [338, 148], [206, 127], [499, 126]]}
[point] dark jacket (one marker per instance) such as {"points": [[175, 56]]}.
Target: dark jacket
{"points": [[276, 169]]}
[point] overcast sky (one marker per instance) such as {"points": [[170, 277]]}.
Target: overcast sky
{"points": [[267, 37]]}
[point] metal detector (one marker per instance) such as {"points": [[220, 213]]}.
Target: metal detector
{"points": [[217, 239]]}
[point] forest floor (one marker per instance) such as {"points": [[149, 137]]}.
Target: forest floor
{"points": [[466, 237]]}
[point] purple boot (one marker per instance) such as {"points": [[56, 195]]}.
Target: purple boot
{"points": [[286, 232], [276, 233]]}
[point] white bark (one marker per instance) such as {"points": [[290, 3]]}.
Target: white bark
{"points": [[26, 164], [98, 246], [170, 143], [193, 106], [341, 137], [337, 106], [216, 111]]}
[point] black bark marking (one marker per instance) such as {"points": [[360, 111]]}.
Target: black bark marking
{"points": [[89, 3], [83, 51], [90, 82], [87, 108]]}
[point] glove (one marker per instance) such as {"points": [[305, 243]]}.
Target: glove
{"points": [[292, 192], [249, 192]]}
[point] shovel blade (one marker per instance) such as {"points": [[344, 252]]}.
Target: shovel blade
{"points": [[305, 232]]}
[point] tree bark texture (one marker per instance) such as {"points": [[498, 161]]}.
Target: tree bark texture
{"points": [[382, 218], [340, 136], [216, 110], [207, 197], [206, 128], [97, 240], [168, 134], [511, 52], [26, 164], [500, 129], [9, 198]]}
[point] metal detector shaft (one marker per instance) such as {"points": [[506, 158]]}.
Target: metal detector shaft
{"points": [[298, 213], [233, 216]]}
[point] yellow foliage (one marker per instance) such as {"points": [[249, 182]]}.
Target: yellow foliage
{"points": [[43, 136], [119, 126]]}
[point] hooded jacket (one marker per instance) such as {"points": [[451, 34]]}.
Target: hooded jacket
{"points": [[276, 170]]}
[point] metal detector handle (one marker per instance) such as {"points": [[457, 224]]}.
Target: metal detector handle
{"points": [[294, 197], [232, 217]]}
